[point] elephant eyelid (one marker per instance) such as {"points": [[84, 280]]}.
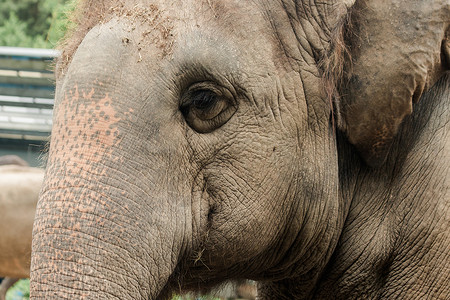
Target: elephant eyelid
{"points": [[204, 99], [207, 106]]}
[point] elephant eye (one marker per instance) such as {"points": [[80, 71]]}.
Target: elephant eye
{"points": [[206, 107]]}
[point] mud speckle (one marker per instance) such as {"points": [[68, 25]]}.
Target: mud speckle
{"points": [[155, 26], [125, 40]]}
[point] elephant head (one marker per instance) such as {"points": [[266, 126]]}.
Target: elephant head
{"points": [[194, 142]]}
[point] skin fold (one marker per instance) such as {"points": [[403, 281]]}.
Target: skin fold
{"points": [[196, 142]]}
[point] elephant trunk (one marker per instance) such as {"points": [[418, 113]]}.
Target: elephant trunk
{"points": [[114, 214], [89, 242], [110, 222]]}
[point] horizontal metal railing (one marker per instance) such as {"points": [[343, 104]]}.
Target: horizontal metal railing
{"points": [[26, 93]]}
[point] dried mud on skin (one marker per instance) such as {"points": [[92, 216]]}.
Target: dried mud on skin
{"points": [[90, 13], [159, 32]]}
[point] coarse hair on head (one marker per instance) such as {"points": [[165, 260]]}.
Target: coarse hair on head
{"points": [[86, 14], [336, 66]]}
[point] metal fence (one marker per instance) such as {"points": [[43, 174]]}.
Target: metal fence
{"points": [[26, 93]]}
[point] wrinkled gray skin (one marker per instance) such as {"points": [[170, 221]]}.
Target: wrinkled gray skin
{"points": [[148, 191]]}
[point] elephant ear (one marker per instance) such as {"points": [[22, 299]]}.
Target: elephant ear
{"points": [[397, 52]]}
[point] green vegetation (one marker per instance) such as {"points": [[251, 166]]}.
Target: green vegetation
{"points": [[21, 291], [176, 297], [33, 23]]}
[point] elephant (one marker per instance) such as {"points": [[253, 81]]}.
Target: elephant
{"points": [[19, 191], [6, 283], [301, 144], [12, 160]]}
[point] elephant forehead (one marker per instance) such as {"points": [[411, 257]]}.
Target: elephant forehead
{"points": [[157, 25], [162, 23]]}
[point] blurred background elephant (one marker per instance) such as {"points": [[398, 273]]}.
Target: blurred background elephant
{"points": [[12, 160], [19, 190]]}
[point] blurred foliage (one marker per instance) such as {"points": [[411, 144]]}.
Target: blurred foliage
{"points": [[19, 291], [33, 23], [188, 297]]}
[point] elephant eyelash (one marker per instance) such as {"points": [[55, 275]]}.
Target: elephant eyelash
{"points": [[203, 100], [206, 107]]}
